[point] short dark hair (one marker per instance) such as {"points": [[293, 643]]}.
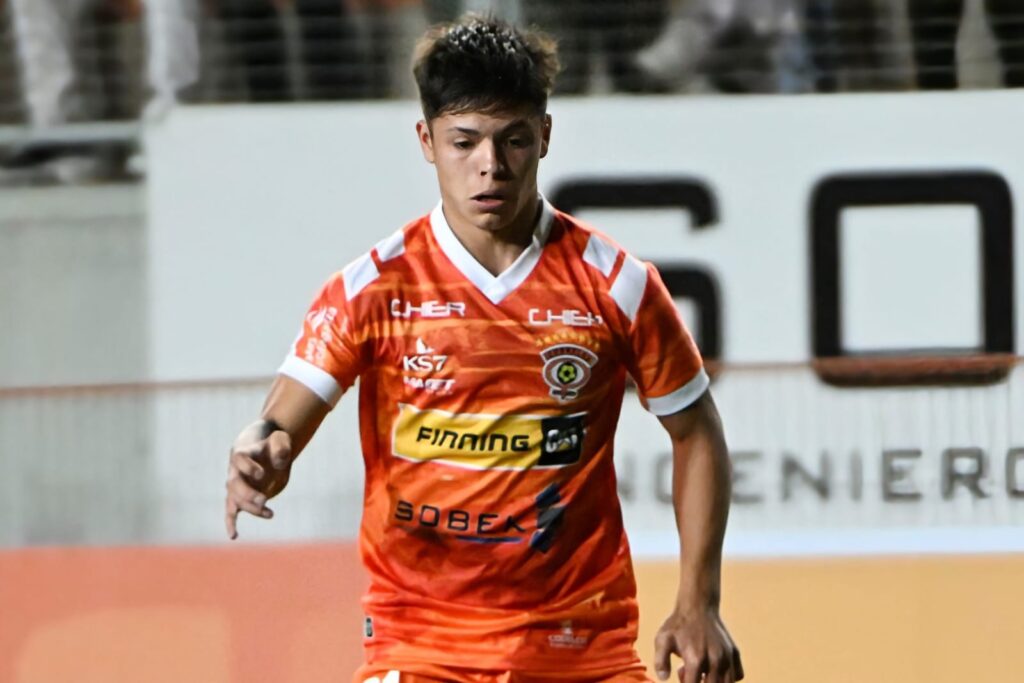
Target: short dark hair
{"points": [[481, 63]]}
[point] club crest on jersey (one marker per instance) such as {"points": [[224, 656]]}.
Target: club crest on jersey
{"points": [[567, 369]]}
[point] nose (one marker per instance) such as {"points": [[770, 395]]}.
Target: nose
{"points": [[491, 161]]}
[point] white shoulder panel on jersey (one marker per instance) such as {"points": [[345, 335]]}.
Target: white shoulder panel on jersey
{"points": [[600, 254], [316, 380], [629, 285], [682, 397], [392, 246], [358, 274]]}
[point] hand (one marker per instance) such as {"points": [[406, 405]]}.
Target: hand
{"points": [[702, 641], [257, 471]]}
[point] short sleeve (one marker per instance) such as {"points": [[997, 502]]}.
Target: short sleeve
{"points": [[665, 362], [327, 355]]}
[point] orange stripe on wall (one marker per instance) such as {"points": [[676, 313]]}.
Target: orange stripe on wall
{"points": [[930, 619], [241, 613], [291, 613]]}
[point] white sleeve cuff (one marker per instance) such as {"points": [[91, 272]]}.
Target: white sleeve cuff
{"points": [[680, 398], [316, 380]]}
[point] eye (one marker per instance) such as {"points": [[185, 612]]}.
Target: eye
{"points": [[519, 142], [462, 144]]}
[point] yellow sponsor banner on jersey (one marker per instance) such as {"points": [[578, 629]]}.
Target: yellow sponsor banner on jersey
{"points": [[511, 442]]}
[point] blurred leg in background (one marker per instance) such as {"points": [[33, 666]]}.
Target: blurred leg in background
{"points": [[440, 11], [334, 65], [844, 43], [612, 30], [858, 39], [1006, 17], [256, 39], [622, 30], [53, 87], [570, 23], [934, 25], [111, 88], [172, 64], [44, 35], [740, 57], [381, 36], [821, 44]]}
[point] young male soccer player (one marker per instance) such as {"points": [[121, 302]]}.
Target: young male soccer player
{"points": [[492, 339]]}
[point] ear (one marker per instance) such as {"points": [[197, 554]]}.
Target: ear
{"points": [[426, 141], [545, 135]]}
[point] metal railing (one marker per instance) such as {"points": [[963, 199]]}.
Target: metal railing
{"points": [[256, 51], [145, 463]]}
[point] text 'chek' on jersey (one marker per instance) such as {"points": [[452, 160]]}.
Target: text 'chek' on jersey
{"points": [[491, 529]]}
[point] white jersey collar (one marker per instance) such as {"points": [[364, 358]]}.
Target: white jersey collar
{"points": [[494, 287]]}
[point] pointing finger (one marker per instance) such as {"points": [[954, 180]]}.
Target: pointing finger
{"points": [[231, 518]]}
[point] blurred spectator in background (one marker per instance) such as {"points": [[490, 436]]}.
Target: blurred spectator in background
{"points": [[733, 46], [842, 38], [48, 34], [441, 11], [611, 30], [172, 36], [744, 38], [934, 26], [333, 65], [391, 30]]}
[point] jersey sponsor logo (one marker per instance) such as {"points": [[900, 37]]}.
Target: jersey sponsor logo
{"points": [[550, 518], [567, 369], [570, 317], [426, 361], [566, 638], [489, 527], [466, 525], [475, 441], [427, 309], [433, 385], [319, 321], [324, 314]]}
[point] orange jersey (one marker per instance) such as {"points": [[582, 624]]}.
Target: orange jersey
{"points": [[491, 528]]}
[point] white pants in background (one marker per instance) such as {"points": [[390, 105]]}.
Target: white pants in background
{"points": [[45, 34], [172, 36]]}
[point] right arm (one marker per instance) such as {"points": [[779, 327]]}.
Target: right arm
{"points": [[262, 454], [326, 358]]}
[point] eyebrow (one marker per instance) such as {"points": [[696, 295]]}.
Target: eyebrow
{"points": [[518, 123]]}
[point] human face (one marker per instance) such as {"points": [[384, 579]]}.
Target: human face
{"points": [[487, 166]]}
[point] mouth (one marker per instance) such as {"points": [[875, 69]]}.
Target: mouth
{"points": [[495, 196], [490, 202]]}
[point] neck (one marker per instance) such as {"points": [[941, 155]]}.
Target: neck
{"points": [[496, 250]]}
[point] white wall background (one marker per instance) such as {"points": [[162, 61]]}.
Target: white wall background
{"points": [[251, 209], [72, 285]]}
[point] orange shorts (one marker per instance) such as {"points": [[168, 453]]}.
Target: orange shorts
{"points": [[435, 673]]}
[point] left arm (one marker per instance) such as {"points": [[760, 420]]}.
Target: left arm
{"points": [[701, 487]]}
